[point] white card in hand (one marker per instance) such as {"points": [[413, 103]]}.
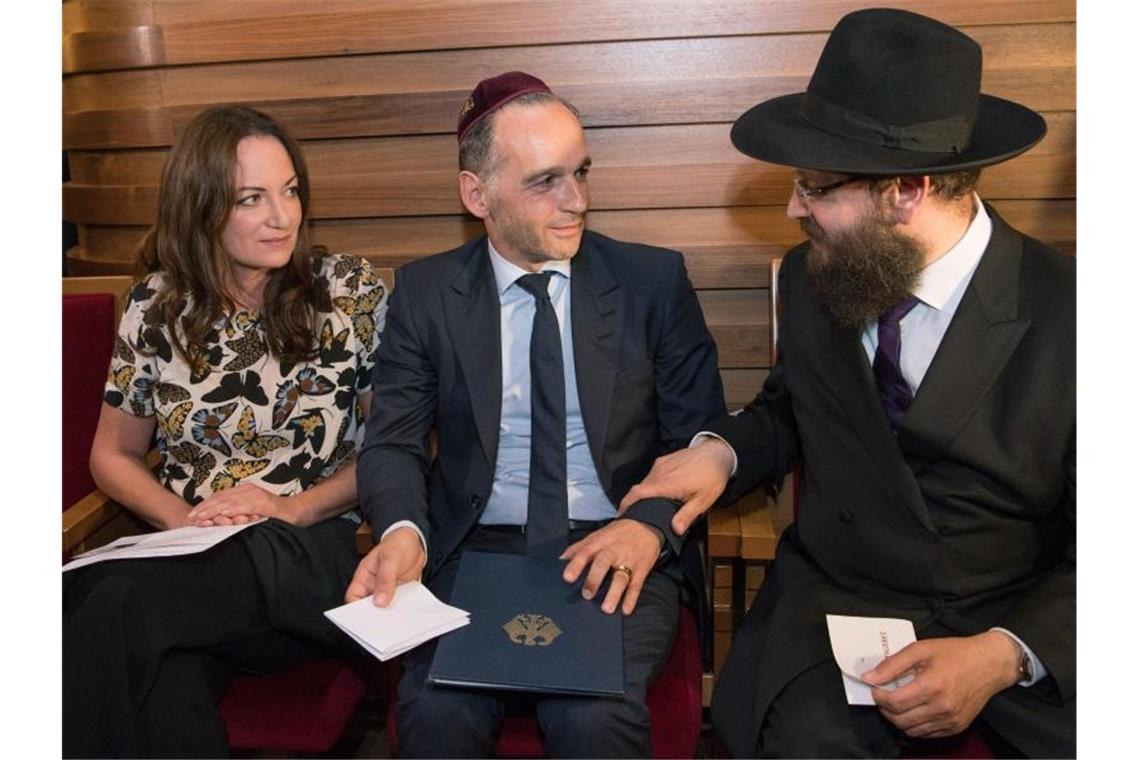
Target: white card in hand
{"points": [[414, 616], [860, 643]]}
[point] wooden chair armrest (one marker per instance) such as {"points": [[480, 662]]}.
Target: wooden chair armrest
{"points": [[758, 534], [86, 516], [746, 528], [724, 532]]}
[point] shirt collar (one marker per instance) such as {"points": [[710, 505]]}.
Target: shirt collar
{"points": [[507, 273], [942, 278]]}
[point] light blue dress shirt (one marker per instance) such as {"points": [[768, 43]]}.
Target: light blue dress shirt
{"points": [[507, 503]]}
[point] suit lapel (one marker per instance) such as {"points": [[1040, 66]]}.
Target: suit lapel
{"points": [[596, 314], [870, 421], [978, 344], [472, 307]]}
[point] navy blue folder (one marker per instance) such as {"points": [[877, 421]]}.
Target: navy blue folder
{"points": [[529, 631]]}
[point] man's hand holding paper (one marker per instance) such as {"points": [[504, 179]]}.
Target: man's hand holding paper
{"points": [[954, 678], [414, 616], [398, 558], [860, 643]]}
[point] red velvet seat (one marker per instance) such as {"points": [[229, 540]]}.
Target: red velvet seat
{"points": [[88, 334], [304, 709], [674, 702]]}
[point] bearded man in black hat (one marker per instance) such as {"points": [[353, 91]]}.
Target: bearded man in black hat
{"points": [[926, 385]]}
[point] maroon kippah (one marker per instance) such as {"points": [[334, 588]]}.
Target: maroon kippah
{"points": [[494, 93]]}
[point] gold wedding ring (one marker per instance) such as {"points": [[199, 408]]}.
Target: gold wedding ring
{"points": [[623, 569]]}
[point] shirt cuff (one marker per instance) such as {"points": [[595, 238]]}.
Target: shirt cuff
{"points": [[706, 434], [1036, 667], [406, 524]]}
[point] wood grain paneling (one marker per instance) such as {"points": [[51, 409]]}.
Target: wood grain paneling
{"points": [[784, 61], [682, 166], [629, 154], [372, 88], [669, 82], [741, 385], [202, 32]]}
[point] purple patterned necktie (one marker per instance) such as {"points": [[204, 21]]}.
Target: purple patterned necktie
{"points": [[893, 390]]}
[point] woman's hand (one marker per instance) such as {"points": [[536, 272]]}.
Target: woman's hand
{"points": [[242, 504]]}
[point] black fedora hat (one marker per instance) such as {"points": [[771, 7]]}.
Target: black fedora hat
{"points": [[893, 93]]}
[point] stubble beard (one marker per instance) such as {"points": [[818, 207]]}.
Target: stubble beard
{"points": [[523, 237], [860, 273]]}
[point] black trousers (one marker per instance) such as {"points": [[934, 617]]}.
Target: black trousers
{"points": [[150, 645], [811, 718], [450, 722]]}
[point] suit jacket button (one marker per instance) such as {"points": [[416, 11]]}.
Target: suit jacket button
{"points": [[845, 515], [476, 503]]}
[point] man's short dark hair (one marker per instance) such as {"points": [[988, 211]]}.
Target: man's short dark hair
{"points": [[951, 186], [476, 152]]}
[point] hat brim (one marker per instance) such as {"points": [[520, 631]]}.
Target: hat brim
{"points": [[774, 131]]}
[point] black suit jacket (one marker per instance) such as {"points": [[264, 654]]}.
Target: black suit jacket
{"points": [[967, 520], [645, 362]]}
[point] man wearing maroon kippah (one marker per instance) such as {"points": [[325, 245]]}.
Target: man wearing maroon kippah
{"points": [[554, 364]]}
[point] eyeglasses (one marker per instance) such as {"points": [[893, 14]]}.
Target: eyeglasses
{"points": [[809, 193]]}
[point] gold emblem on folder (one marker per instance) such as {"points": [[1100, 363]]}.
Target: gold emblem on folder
{"points": [[532, 630]]}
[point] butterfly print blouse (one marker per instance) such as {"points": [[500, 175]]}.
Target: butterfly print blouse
{"points": [[235, 413]]}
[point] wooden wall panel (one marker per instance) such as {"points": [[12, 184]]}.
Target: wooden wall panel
{"points": [[681, 166], [219, 30], [372, 88], [668, 82]]}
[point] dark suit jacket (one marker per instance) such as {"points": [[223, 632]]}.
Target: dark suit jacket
{"points": [[645, 362], [966, 521]]}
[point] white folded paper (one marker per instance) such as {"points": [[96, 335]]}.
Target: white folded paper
{"points": [[860, 643], [414, 616], [164, 543]]}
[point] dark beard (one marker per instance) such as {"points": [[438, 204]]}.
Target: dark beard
{"points": [[859, 274]]}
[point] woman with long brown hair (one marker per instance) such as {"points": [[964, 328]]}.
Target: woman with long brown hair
{"points": [[246, 354]]}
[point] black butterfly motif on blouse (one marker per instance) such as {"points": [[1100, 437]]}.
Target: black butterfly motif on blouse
{"points": [[308, 427], [301, 467], [332, 350], [246, 385]]}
